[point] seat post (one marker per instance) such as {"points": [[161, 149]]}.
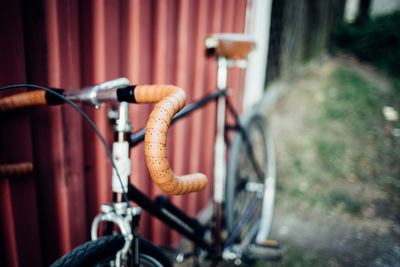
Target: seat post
{"points": [[222, 69], [220, 147]]}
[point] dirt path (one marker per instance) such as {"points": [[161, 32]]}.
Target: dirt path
{"points": [[323, 236], [332, 243]]}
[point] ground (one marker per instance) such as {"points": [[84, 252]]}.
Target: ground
{"points": [[338, 182]]}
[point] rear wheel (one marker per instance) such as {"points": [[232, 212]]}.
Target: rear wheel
{"points": [[102, 251], [250, 185]]}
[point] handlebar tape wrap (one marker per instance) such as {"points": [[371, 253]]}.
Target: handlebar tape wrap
{"points": [[15, 170], [26, 99], [170, 100]]}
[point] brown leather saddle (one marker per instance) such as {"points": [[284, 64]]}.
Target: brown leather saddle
{"points": [[229, 45]]}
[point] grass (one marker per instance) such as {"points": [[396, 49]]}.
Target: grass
{"points": [[352, 113], [346, 142], [372, 152], [342, 151], [345, 201], [344, 160]]}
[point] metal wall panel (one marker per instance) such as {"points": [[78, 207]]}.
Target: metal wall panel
{"points": [[72, 43]]}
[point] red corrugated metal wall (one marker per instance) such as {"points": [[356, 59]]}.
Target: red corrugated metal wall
{"points": [[72, 43]]}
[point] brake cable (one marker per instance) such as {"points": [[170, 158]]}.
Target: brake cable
{"points": [[85, 115]]}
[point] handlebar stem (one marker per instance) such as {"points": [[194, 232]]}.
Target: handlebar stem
{"points": [[98, 94], [123, 123]]}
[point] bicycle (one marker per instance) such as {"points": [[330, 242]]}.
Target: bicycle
{"points": [[243, 188]]}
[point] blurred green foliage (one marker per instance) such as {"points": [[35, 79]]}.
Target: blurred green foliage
{"points": [[376, 40]]}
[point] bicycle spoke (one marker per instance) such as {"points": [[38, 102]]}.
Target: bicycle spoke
{"points": [[244, 219]]}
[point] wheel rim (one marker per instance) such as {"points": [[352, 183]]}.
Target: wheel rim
{"points": [[247, 183], [245, 174], [146, 260]]}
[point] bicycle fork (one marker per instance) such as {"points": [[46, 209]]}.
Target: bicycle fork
{"points": [[127, 219]]}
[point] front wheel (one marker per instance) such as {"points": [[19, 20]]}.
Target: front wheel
{"points": [[102, 251], [250, 184]]}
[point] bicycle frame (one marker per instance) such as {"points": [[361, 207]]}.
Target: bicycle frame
{"points": [[171, 215], [161, 207]]}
